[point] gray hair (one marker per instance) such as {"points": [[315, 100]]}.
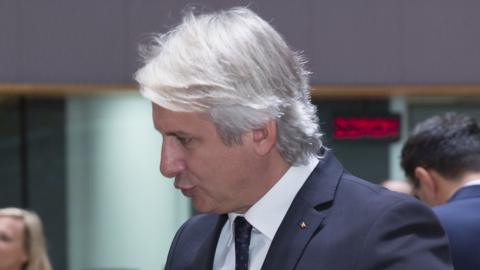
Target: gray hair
{"points": [[235, 67]]}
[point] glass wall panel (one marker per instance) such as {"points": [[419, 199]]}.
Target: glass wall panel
{"points": [[10, 164], [122, 213], [89, 166]]}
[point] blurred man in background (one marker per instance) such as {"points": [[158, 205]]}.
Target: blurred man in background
{"points": [[442, 160]]}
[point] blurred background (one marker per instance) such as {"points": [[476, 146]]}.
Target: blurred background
{"points": [[76, 140]]}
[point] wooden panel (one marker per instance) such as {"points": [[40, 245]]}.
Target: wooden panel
{"points": [[62, 89], [318, 91], [385, 91]]}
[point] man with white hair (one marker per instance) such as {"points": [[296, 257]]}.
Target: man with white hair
{"points": [[241, 138]]}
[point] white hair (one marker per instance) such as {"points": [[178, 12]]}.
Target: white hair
{"points": [[235, 67]]}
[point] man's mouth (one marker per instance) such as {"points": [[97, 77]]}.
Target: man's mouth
{"points": [[185, 187]]}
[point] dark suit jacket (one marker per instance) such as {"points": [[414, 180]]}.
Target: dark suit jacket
{"points": [[350, 225], [461, 219]]}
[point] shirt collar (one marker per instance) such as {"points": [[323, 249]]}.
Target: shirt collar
{"points": [[267, 214], [472, 183]]}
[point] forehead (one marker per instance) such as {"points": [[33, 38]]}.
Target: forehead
{"points": [[166, 120], [11, 225]]}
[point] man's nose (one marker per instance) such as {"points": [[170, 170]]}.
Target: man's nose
{"points": [[171, 160]]}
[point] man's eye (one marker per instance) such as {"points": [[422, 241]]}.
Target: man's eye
{"points": [[183, 140], [5, 238]]}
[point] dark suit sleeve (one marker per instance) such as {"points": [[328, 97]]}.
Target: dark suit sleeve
{"points": [[406, 235]]}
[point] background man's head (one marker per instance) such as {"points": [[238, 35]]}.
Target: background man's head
{"points": [[235, 67], [441, 154]]}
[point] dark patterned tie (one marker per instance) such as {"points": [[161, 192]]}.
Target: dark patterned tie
{"points": [[242, 241]]}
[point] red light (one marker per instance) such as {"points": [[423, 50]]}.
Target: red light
{"points": [[363, 127]]}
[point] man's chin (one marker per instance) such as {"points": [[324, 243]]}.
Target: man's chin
{"points": [[187, 192], [206, 209]]}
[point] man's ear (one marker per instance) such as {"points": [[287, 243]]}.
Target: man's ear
{"points": [[427, 181], [265, 138]]}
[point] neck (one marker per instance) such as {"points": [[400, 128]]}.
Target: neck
{"points": [[268, 173], [277, 169]]}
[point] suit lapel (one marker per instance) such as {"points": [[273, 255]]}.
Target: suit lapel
{"points": [[206, 253], [306, 215]]}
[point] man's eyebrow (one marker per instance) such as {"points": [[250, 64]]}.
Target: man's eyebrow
{"points": [[177, 133]]}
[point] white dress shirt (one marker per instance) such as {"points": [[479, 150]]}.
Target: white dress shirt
{"points": [[472, 183], [265, 216]]}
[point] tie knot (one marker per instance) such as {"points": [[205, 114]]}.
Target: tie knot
{"points": [[242, 225]]}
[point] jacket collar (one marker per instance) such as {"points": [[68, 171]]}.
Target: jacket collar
{"points": [[306, 215], [206, 253], [466, 192]]}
